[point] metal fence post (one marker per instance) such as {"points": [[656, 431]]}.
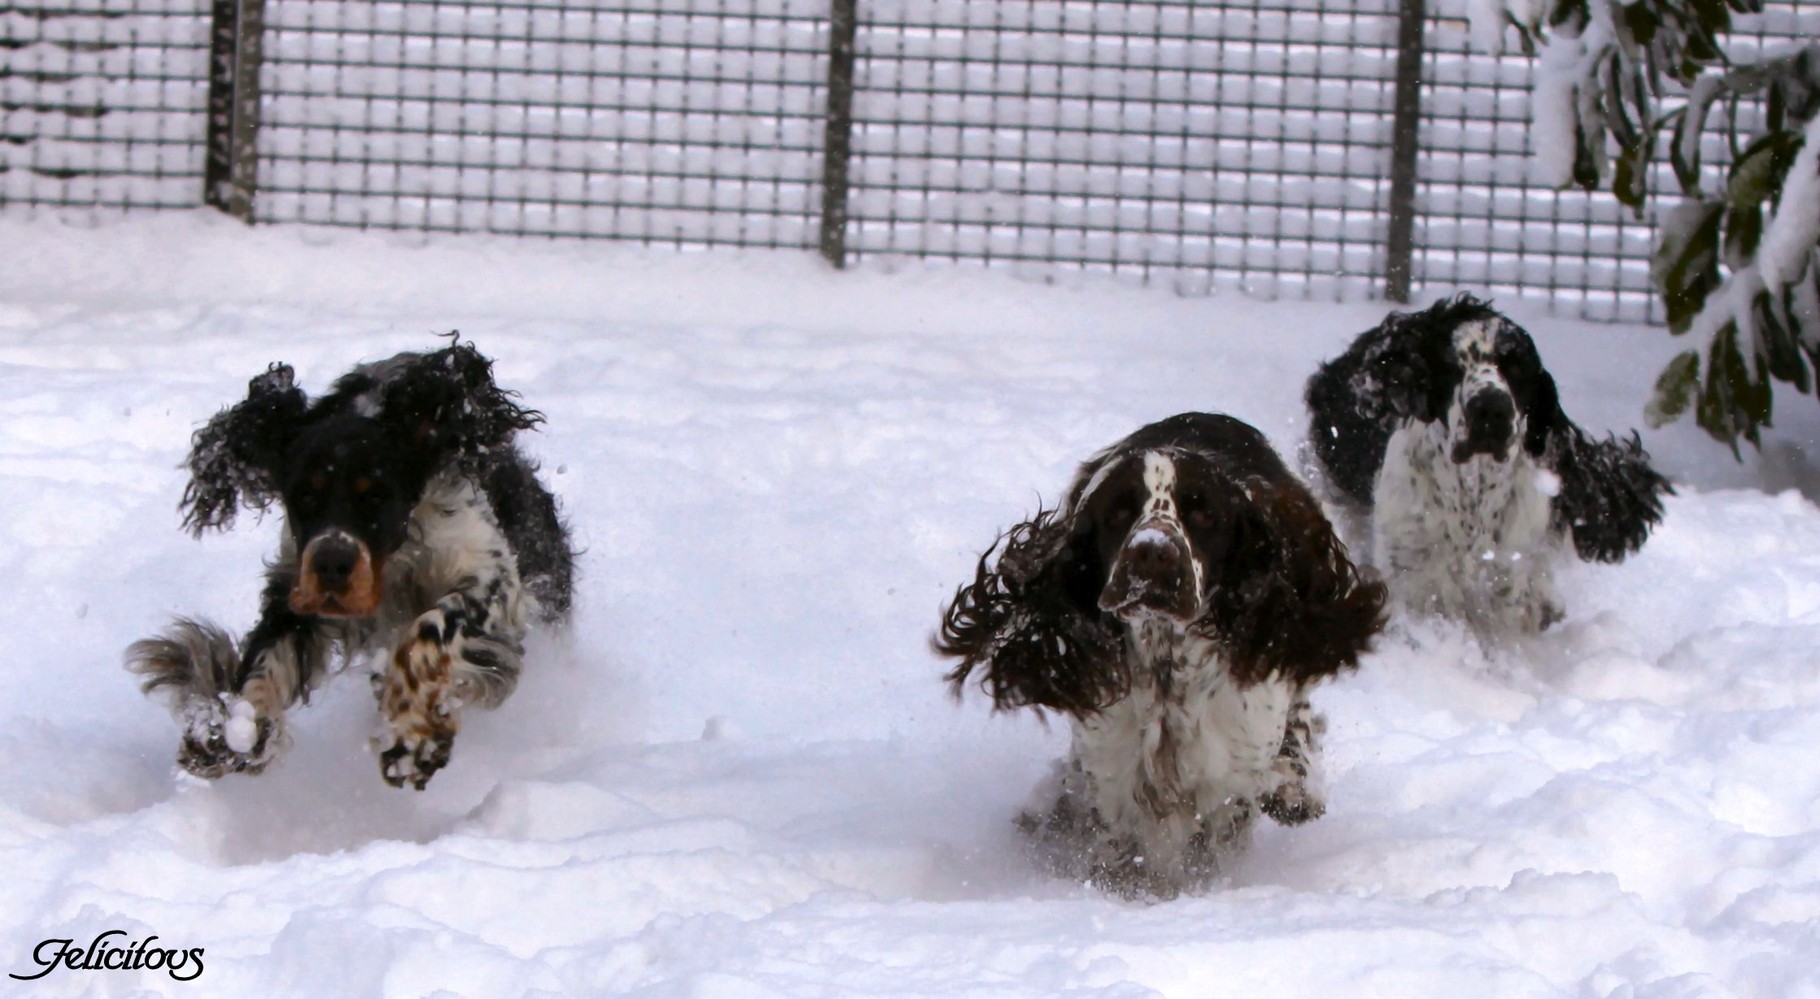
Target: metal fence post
{"points": [[1405, 143], [230, 171], [837, 136]]}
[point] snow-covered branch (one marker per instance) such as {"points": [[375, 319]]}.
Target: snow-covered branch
{"points": [[1739, 265]]}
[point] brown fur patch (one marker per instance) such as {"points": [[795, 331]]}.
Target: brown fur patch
{"points": [[359, 598], [419, 705], [263, 694]]}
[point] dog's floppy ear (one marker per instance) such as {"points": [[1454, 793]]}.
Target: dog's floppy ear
{"points": [[1287, 598], [444, 406], [235, 457], [1358, 400], [1609, 497], [1531, 385], [1544, 418], [1031, 625]]}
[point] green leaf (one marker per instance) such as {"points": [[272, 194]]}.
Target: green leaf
{"points": [[1759, 400], [1779, 342], [1735, 404], [1625, 106], [1761, 168], [1686, 262], [1701, 51], [1750, 392], [1628, 177], [1713, 408], [1743, 231], [1675, 389], [1687, 169], [1715, 19], [1568, 12], [1642, 21], [1586, 157]]}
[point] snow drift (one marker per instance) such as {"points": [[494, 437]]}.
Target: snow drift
{"points": [[738, 773]]}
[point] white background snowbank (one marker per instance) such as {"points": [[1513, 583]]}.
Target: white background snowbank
{"points": [[739, 773]]}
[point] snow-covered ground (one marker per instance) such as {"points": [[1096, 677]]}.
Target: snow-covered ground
{"points": [[738, 773]]}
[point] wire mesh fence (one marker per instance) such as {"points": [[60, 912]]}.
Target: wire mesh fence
{"points": [[102, 103], [1240, 145], [691, 123], [1243, 145], [1486, 223]]}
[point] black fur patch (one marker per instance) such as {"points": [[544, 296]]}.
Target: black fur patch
{"points": [[1398, 371], [533, 525], [1024, 625], [234, 457], [1610, 496], [1404, 369]]}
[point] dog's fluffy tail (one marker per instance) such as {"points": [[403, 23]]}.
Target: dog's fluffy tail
{"points": [[190, 660]]}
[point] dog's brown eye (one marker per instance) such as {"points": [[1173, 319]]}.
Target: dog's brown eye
{"points": [[1195, 509], [362, 485], [319, 482]]}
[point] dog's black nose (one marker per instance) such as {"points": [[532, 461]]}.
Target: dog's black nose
{"points": [[1152, 560], [333, 562], [1152, 573], [1490, 414]]}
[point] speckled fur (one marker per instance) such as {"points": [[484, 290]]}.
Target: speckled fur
{"points": [[465, 648], [1160, 790], [1465, 522], [1470, 541], [1178, 608], [425, 442]]}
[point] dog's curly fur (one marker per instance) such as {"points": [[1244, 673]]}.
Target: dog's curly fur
{"points": [[1177, 606], [416, 532]]}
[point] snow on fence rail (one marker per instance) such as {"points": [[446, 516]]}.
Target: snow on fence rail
{"points": [[1249, 144]]}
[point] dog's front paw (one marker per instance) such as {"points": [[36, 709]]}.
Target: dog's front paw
{"points": [[414, 759], [1293, 803], [420, 712], [227, 736]]}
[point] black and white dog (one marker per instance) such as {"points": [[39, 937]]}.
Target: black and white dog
{"points": [[414, 531], [1177, 606], [1444, 427]]}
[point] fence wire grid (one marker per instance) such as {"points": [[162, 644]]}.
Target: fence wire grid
{"points": [[1209, 146], [102, 105]]}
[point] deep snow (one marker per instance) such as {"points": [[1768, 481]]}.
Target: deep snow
{"points": [[739, 773]]}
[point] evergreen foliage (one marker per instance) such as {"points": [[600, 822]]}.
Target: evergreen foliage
{"points": [[1737, 261]]}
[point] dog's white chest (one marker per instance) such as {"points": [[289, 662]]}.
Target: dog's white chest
{"points": [[1186, 745], [1464, 539]]}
